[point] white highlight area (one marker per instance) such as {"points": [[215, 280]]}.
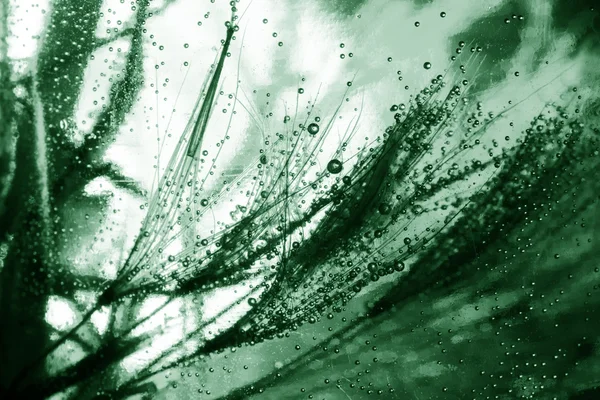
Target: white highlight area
{"points": [[59, 313], [215, 313]]}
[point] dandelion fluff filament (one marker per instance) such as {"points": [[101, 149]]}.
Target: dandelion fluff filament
{"points": [[179, 174]]}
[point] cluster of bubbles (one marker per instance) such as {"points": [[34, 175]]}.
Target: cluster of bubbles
{"points": [[368, 219]]}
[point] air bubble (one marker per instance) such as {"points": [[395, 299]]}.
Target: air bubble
{"points": [[334, 166]]}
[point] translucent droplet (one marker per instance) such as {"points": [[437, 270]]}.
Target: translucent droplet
{"points": [[313, 128], [334, 166]]}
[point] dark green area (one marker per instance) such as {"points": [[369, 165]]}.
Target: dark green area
{"points": [[501, 297], [347, 8], [498, 40]]}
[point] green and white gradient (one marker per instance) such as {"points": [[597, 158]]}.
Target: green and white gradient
{"points": [[474, 215]]}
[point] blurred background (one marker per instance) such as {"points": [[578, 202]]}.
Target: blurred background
{"points": [[117, 88]]}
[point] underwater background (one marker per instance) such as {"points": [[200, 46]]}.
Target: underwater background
{"points": [[317, 199]]}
